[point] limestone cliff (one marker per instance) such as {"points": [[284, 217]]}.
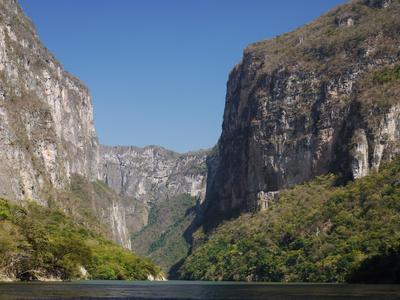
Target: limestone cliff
{"points": [[150, 175], [49, 148], [324, 98], [46, 121]]}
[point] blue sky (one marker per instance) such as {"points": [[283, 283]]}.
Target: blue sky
{"points": [[157, 69]]}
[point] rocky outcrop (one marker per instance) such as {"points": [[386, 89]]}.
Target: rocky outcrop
{"points": [[150, 175], [46, 120], [324, 98]]}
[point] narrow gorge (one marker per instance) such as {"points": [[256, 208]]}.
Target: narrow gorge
{"points": [[308, 114], [50, 151]]}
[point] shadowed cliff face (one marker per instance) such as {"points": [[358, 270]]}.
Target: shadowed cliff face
{"points": [[324, 98], [46, 120]]}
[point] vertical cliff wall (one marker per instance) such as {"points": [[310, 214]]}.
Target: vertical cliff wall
{"points": [[324, 98], [46, 120], [153, 173], [49, 151], [150, 175], [48, 144]]}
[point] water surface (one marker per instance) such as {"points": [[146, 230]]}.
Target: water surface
{"points": [[142, 290]]}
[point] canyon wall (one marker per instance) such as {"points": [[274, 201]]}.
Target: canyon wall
{"points": [[324, 98], [50, 151], [46, 119], [150, 175], [153, 173]]}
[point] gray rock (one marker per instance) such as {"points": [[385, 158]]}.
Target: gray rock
{"points": [[295, 110], [47, 137], [150, 175], [46, 119]]}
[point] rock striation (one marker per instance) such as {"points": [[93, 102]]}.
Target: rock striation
{"points": [[46, 120], [324, 98], [50, 151], [150, 175], [153, 173]]}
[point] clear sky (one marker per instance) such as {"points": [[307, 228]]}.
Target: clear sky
{"points": [[157, 69]]}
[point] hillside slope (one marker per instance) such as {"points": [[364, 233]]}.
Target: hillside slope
{"points": [[162, 239], [38, 243], [315, 232]]}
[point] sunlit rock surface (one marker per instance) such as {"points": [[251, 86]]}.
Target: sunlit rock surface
{"points": [[150, 175], [46, 120], [321, 99]]}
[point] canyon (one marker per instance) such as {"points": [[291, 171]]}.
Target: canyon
{"points": [[48, 138], [321, 99]]}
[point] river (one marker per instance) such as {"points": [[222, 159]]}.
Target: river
{"points": [[194, 290]]}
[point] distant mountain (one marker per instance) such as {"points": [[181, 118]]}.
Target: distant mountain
{"points": [[162, 191], [151, 175]]}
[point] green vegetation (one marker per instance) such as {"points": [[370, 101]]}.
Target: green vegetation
{"points": [[38, 242], [387, 74], [329, 45], [86, 202], [162, 239], [380, 89], [315, 232]]}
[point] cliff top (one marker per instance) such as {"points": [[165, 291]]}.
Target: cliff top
{"points": [[343, 34], [12, 16], [156, 148]]}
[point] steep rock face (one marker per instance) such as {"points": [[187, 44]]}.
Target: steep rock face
{"points": [[324, 98], [153, 173], [49, 149], [47, 135], [146, 177], [46, 121]]}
